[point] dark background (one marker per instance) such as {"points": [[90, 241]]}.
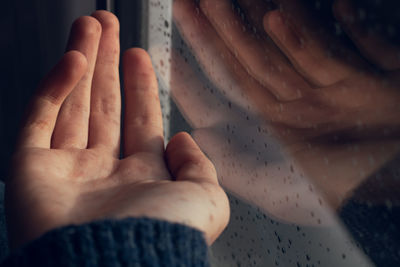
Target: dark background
{"points": [[33, 38]]}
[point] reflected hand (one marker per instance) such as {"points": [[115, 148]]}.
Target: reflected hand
{"points": [[335, 113], [67, 170]]}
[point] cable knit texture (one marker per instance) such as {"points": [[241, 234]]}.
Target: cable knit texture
{"points": [[128, 242]]}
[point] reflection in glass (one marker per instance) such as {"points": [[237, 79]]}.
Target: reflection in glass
{"points": [[298, 107]]}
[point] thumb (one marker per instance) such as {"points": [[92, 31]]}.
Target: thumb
{"points": [[187, 162]]}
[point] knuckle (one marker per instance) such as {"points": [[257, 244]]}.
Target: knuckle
{"points": [[106, 105], [111, 58], [39, 125], [71, 141], [52, 99], [144, 120], [77, 108]]}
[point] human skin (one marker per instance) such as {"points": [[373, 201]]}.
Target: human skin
{"points": [[335, 111], [67, 167]]}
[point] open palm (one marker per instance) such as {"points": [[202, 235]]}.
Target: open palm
{"points": [[67, 168]]}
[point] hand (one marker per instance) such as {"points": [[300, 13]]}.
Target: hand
{"points": [[67, 170], [334, 112], [248, 159]]}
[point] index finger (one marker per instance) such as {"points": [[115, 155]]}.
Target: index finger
{"points": [[143, 118]]}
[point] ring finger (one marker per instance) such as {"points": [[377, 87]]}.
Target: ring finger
{"points": [[72, 126]]}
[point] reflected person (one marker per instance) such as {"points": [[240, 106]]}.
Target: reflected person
{"points": [[335, 108]]}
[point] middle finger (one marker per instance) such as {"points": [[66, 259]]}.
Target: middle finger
{"points": [[105, 113]]}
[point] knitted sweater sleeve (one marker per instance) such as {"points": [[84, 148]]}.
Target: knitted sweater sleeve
{"points": [[372, 215], [129, 242]]}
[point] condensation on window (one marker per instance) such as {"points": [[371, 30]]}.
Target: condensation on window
{"points": [[279, 214]]}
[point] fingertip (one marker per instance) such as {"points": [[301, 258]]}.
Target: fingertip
{"points": [[107, 19], [345, 13], [181, 140], [182, 135], [63, 77], [87, 25], [71, 67], [136, 54], [84, 28], [176, 143], [137, 58], [75, 61], [178, 7], [187, 162], [181, 9], [272, 20]]}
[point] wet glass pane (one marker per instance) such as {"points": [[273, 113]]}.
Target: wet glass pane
{"points": [[297, 105]]}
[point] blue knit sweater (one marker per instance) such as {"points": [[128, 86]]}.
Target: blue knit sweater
{"points": [[129, 242], [146, 242]]}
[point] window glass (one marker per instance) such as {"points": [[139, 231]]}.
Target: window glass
{"points": [[296, 103]]}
